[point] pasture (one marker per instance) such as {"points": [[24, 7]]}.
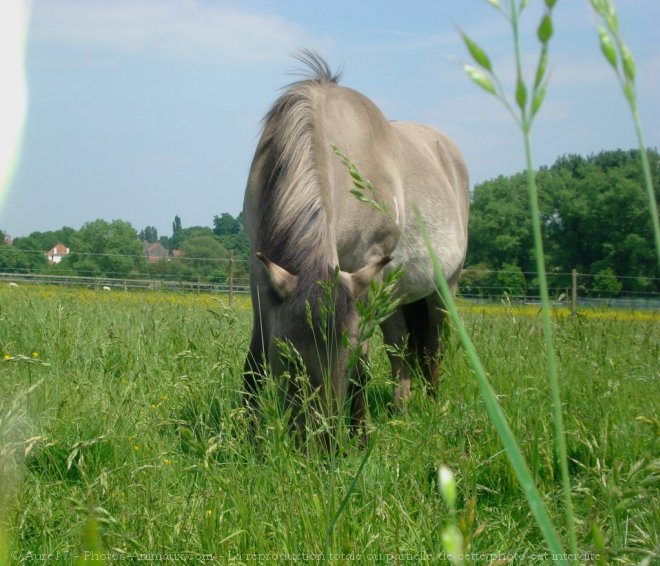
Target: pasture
{"points": [[122, 436]]}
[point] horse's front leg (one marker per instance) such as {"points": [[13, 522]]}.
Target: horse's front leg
{"points": [[357, 391], [395, 337]]}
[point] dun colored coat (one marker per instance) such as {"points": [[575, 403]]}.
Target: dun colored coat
{"points": [[311, 240]]}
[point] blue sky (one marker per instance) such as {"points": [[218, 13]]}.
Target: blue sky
{"points": [[141, 110]]}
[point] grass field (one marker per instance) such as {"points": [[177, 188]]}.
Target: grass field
{"points": [[122, 436]]}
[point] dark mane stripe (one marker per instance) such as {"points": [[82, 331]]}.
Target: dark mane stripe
{"points": [[292, 215]]}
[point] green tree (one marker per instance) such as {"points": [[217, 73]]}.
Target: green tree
{"points": [[176, 269], [33, 253], [194, 231], [14, 260], [111, 249], [511, 280], [606, 283], [477, 280], [41, 242], [175, 240], [149, 234], [594, 215], [181, 234], [166, 241], [600, 218], [226, 225], [500, 229], [206, 255], [230, 232]]}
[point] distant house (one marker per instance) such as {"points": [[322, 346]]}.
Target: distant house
{"points": [[155, 252], [56, 253], [177, 253]]}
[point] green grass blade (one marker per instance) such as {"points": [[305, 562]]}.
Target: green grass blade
{"points": [[626, 75], [344, 501], [648, 183], [497, 416], [553, 374]]}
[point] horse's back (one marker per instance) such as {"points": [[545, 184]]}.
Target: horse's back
{"points": [[416, 171], [430, 150], [436, 191]]}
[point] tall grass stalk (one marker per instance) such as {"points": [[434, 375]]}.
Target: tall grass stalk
{"points": [[527, 108], [342, 505], [451, 536], [364, 192], [621, 60], [377, 306], [497, 416], [157, 395]]}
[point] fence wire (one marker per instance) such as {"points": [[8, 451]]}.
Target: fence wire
{"points": [[476, 285]]}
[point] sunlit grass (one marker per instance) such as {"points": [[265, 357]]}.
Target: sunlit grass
{"points": [[560, 312], [134, 423], [100, 297]]}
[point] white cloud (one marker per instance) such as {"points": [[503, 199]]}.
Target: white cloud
{"points": [[183, 29]]}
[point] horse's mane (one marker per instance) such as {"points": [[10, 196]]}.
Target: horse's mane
{"points": [[317, 69], [291, 212]]}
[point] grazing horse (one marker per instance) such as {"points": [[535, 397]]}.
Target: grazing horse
{"points": [[306, 228]]}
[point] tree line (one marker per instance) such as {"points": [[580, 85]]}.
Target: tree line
{"points": [[595, 219], [594, 213], [116, 249]]}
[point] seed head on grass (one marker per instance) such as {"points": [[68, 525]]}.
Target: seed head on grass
{"points": [[447, 485], [363, 190], [620, 58], [528, 102], [451, 536], [452, 542], [91, 544]]}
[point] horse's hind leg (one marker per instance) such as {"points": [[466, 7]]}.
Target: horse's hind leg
{"points": [[396, 336], [414, 335], [427, 328]]}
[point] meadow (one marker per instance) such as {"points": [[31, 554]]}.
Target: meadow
{"points": [[123, 438]]}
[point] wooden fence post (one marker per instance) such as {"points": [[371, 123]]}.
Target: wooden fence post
{"points": [[231, 277], [573, 292]]}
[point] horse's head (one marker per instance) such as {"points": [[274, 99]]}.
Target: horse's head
{"points": [[313, 321]]}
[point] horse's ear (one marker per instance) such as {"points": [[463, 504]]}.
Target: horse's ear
{"points": [[361, 279], [282, 282]]}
